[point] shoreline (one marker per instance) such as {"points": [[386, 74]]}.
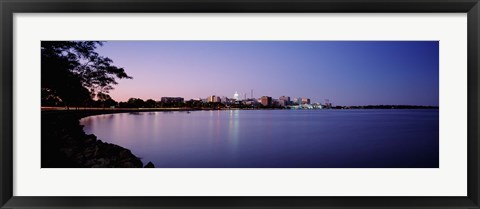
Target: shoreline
{"points": [[93, 110], [64, 144]]}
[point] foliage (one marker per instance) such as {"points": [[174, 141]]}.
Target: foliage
{"points": [[150, 103], [74, 73], [133, 103]]}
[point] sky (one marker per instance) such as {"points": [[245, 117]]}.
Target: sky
{"points": [[345, 72]]}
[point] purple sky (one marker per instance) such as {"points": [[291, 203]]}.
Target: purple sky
{"points": [[346, 72]]}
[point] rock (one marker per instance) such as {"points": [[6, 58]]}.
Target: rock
{"points": [[103, 163], [89, 152], [149, 165], [66, 145], [127, 165], [67, 151], [89, 163], [90, 139]]}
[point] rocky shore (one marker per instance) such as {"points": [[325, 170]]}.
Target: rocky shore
{"points": [[66, 145]]}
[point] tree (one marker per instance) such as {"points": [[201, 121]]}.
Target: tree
{"points": [[49, 99], [73, 72], [135, 103], [150, 103], [106, 100]]}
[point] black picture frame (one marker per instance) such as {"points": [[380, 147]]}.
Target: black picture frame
{"points": [[9, 7]]}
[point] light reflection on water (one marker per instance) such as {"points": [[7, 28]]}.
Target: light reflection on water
{"points": [[275, 138]]}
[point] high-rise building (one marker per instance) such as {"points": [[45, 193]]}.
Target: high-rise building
{"points": [[284, 100], [305, 101], [266, 100], [214, 98], [328, 104], [224, 100], [297, 101]]}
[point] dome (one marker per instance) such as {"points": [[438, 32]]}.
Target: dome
{"points": [[236, 96]]}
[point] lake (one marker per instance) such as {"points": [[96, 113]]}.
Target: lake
{"points": [[275, 138]]}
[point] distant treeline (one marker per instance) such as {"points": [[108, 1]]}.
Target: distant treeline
{"points": [[150, 103], [194, 104], [386, 107]]}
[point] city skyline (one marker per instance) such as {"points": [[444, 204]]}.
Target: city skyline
{"points": [[345, 72]]}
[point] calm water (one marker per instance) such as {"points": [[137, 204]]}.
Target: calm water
{"points": [[275, 138]]}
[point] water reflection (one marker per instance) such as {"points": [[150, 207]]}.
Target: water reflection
{"points": [[275, 138], [233, 129]]}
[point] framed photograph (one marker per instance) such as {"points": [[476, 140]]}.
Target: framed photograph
{"points": [[240, 104]]}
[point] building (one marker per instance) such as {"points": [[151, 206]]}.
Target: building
{"points": [[276, 102], [236, 96], [266, 100], [328, 104], [172, 99], [214, 98], [317, 105], [285, 98], [305, 101], [284, 101], [297, 101], [224, 100], [250, 102]]}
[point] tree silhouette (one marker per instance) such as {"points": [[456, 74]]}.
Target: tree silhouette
{"points": [[105, 100], [73, 72], [150, 103], [135, 103]]}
